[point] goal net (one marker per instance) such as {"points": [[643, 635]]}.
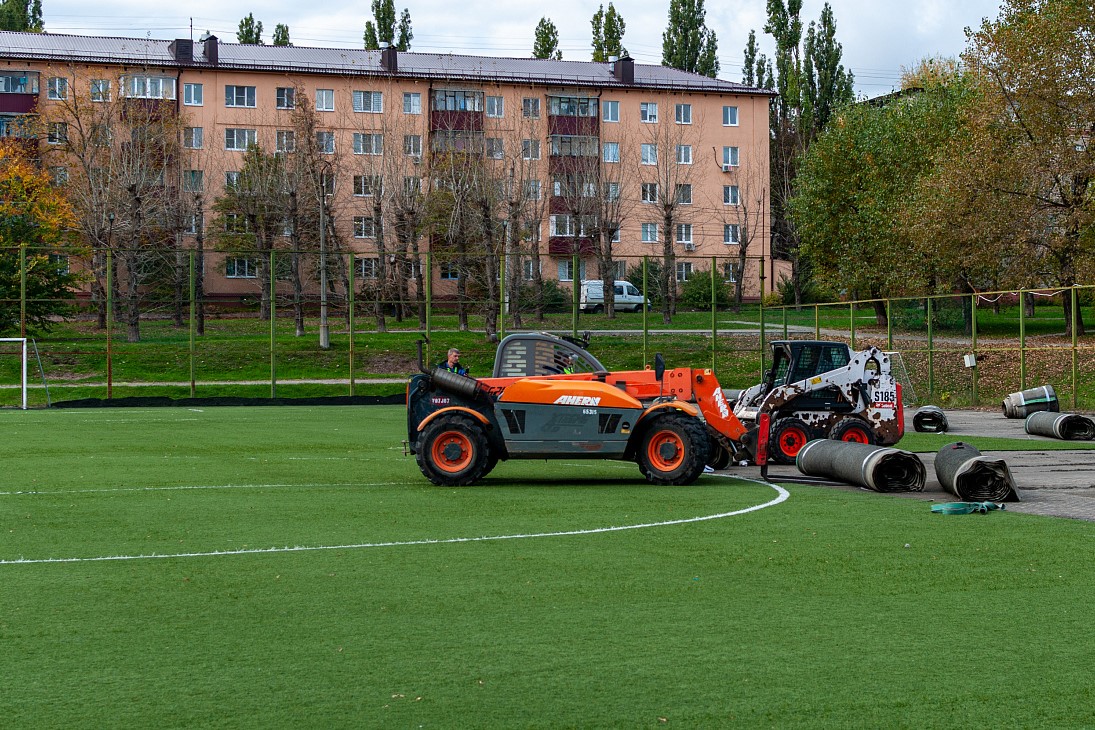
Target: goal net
{"points": [[16, 346]]}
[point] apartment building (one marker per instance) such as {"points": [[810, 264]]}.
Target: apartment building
{"points": [[576, 150]]}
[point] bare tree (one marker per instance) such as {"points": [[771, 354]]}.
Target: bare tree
{"points": [[742, 212]]}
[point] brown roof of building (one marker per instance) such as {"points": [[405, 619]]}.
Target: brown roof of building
{"points": [[352, 61]]}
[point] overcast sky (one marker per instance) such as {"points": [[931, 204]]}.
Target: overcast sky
{"points": [[878, 37]]}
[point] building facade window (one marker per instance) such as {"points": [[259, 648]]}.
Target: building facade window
{"points": [[456, 100], [495, 148], [648, 112], [683, 113], [684, 270], [684, 193], [649, 153], [412, 103], [572, 106], [193, 181], [731, 234], [412, 185], [57, 88], [495, 107], [231, 179], [561, 225], [730, 195], [530, 268], [450, 271], [100, 90], [325, 100], [610, 111], [239, 139], [612, 192], [367, 267], [530, 108], [684, 154], [730, 157], [325, 143], [649, 193], [239, 96], [193, 94], [366, 186], [684, 233], [58, 175], [194, 224], [412, 145], [566, 270], [611, 152], [650, 232], [729, 116], [530, 149], [285, 97], [57, 133], [368, 102], [366, 143], [193, 138], [532, 189], [285, 140], [240, 268], [150, 87], [364, 226]]}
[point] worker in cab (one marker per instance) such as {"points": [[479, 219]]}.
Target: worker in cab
{"points": [[452, 363], [568, 365]]}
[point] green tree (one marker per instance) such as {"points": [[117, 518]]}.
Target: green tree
{"points": [[687, 42], [281, 35], [855, 187], [608, 33], [811, 83], [21, 15], [757, 69], [546, 42], [1027, 159], [250, 31], [382, 28], [35, 214]]}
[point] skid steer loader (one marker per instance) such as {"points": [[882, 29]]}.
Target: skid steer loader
{"points": [[550, 398], [818, 389]]}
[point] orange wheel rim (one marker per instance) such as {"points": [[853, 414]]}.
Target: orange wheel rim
{"points": [[665, 451], [452, 452], [792, 441], [855, 435]]}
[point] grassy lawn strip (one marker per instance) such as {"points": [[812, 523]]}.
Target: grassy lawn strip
{"points": [[834, 608]]}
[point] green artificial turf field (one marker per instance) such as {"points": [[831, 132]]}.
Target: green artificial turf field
{"points": [[289, 567]]}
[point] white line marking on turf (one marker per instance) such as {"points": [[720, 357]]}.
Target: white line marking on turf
{"points": [[62, 492], [782, 495]]}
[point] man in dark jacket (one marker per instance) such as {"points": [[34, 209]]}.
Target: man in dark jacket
{"points": [[452, 363]]}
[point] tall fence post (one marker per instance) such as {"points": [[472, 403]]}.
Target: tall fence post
{"points": [[817, 322], [889, 325], [1022, 340], [273, 328], [784, 310], [931, 354], [502, 260], [23, 289], [575, 287], [646, 330], [1075, 321], [714, 315], [350, 297], [973, 346], [428, 280], [763, 354], [193, 327], [851, 323], [109, 324]]}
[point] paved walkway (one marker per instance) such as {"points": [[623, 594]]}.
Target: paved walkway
{"points": [[1052, 483]]}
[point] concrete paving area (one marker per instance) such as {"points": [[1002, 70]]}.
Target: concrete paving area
{"points": [[1053, 483]]}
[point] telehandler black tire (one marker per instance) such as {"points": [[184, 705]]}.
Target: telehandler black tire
{"points": [[719, 458], [453, 451], [673, 449]]}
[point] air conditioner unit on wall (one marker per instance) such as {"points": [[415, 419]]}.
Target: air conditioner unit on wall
{"points": [[727, 168], [689, 247]]}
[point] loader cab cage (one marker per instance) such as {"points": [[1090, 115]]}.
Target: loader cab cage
{"points": [[530, 354], [797, 360]]}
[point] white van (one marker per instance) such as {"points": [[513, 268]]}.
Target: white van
{"points": [[628, 298]]}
